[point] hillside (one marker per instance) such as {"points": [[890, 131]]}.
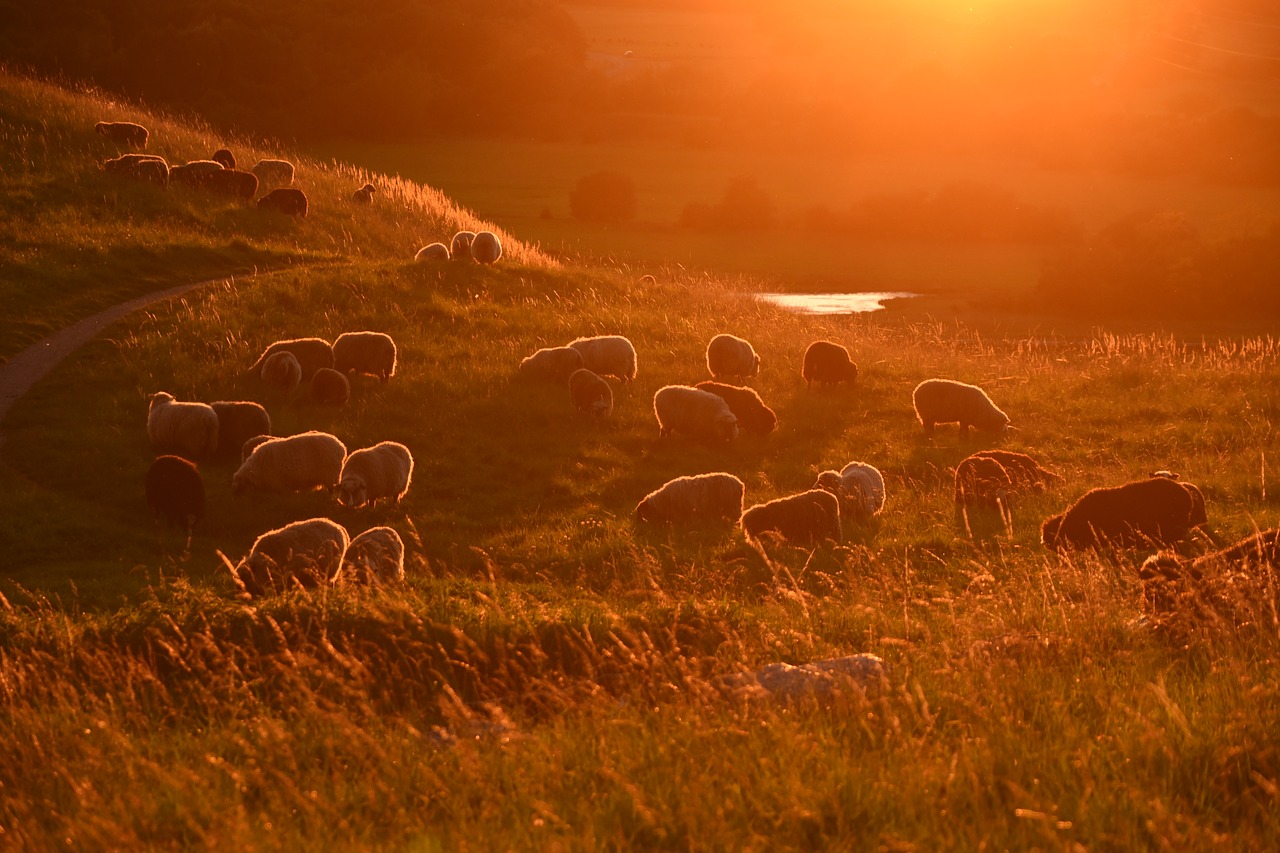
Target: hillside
{"points": [[549, 674]]}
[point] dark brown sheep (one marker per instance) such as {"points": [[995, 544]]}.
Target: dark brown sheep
{"points": [[232, 182], [251, 445], [126, 164], [827, 362], [175, 491], [752, 414], [804, 519], [123, 133], [286, 200], [239, 421], [225, 157], [987, 477], [364, 195], [330, 388], [589, 393], [1140, 513], [311, 353]]}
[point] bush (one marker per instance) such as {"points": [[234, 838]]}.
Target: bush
{"points": [[603, 197], [743, 207]]}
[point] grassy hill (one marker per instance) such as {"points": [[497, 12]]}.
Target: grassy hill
{"points": [[548, 675]]}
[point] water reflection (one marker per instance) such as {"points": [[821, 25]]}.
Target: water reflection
{"points": [[832, 303]]}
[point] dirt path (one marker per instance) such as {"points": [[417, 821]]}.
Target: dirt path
{"points": [[32, 364]]}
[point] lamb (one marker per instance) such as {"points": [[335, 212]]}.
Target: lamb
{"points": [[289, 201], [295, 463], [282, 370], [373, 473], [460, 245], [554, 364], [827, 362], [307, 553], [225, 157], [232, 182], [364, 195], [945, 401], [175, 491], [858, 487], [372, 353], [273, 173], [311, 353], [693, 501], [1232, 588], [251, 445], [330, 388], [187, 429], [238, 422], [753, 415], [697, 414], [195, 173], [1154, 510], [123, 133], [804, 519], [730, 356], [486, 248], [589, 393], [375, 556], [432, 252], [608, 355]]}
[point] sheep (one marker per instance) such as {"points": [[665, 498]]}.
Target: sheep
{"points": [[696, 414], [1134, 514], [460, 245], [311, 354], [238, 422], [364, 195], [281, 370], [375, 556], [803, 519], [693, 501], [251, 445], [372, 473], [982, 482], [232, 182], [195, 173], [432, 252], [188, 429], [589, 393], [225, 157], [175, 491], [330, 388], [486, 248], [827, 362], [554, 364], [123, 133], [608, 355], [372, 353], [127, 164], [295, 463], [273, 173], [858, 487], [154, 171], [753, 415], [289, 201], [1198, 516], [945, 401], [1025, 473], [731, 356], [307, 553]]}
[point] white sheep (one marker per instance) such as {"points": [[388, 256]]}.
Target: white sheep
{"points": [[694, 501], [554, 364], [460, 245], [282, 370], [589, 393], [187, 429], [273, 173], [372, 473], [377, 555], [608, 355], [731, 356], [693, 413], [945, 401], [307, 553], [486, 248], [432, 252], [373, 353], [859, 488], [295, 463]]}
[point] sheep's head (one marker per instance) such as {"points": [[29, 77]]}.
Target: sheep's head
{"points": [[830, 481], [763, 420], [644, 512], [352, 492], [160, 398], [239, 482], [1049, 531], [101, 127], [727, 428]]}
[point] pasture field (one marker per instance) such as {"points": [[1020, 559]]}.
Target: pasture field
{"points": [[551, 677]]}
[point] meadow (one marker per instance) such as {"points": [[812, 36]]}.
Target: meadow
{"points": [[549, 676]]}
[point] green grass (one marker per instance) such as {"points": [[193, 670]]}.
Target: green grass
{"points": [[550, 676]]}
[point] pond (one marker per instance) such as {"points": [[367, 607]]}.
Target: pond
{"points": [[832, 303]]}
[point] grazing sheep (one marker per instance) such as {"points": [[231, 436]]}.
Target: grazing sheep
{"points": [[1155, 510], [432, 252], [194, 174], [281, 370], [188, 429], [375, 556], [982, 482], [589, 393], [132, 166], [753, 415], [1025, 473], [307, 553], [372, 353], [123, 133], [1231, 589], [373, 473], [273, 173], [364, 195], [460, 245], [945, 401], [153, 172], [295, 463], [225, 157], [608, 355], [803, 519], [238, 422], [330, 388], [289, 201], [696, 414], [1198, 516], [859, 488], [694, 501], [175, 491], [554, 364], [311, 354], [730, 356], [251, 445], [827, 362], [232, 182], [486, 248]]}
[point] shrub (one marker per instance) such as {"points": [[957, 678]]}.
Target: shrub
{"points": [[603, 197]]}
